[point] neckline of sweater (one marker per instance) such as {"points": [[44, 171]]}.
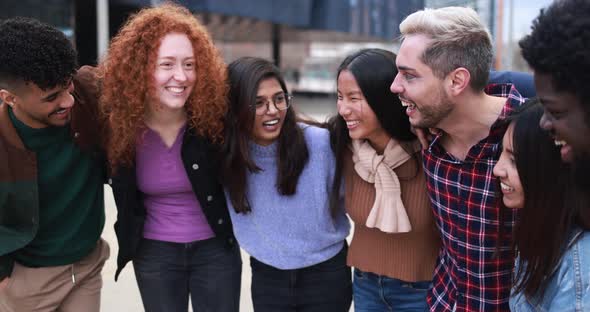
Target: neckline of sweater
{"points": [[262, 151]]}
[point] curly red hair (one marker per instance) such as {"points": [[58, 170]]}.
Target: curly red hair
{"points": [[127, 74]]}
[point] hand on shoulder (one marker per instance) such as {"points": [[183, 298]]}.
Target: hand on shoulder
{"points": [[4, 283]]}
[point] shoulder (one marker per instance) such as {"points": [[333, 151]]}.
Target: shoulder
{"points": [[578, 246], [315, 136], [523, 82], [86, 82], [582, 244]]}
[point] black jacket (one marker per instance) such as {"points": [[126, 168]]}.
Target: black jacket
{"points": [[200, 162]]}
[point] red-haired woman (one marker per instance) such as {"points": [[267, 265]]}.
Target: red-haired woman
{"points": [[164, 97]]}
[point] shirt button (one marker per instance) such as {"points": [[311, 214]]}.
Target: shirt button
{"points": [[220, 221], [110, 181], [209, 198], [195, 166], [76, 134], [231, 241]]}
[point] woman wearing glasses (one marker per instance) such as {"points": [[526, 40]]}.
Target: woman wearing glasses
{"points": [[277, 175]]}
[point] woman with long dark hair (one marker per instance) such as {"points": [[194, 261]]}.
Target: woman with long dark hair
{"points": [[277, 174], [553, 264], [164, 96], [395, 242]]}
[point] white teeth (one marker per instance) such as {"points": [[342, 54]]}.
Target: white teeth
{"points": [[408, 104], [352, 123], [505, 187], [61, 111], [560, 142], [271, 122], [175, 89]]}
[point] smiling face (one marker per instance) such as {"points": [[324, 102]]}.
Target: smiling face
{"points": [[38, 108], [564, 118], [267, 127], [418, 88], [361, 121], [505, 170], [175, 76]]}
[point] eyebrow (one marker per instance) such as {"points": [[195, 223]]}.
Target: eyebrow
{"points": [[65, 86], [262, 96], [174, 57], [544, 101], [46, 99], [351, 92], [403, 67]]}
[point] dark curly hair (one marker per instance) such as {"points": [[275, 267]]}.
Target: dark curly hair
{"points": [[127, 75], [35, 52], [558, 46]]}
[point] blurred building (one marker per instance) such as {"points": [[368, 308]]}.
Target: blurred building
{"points": [[257, 25], [485, 8]]}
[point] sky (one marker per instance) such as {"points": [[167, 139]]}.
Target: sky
{"points": [[525, 12]]}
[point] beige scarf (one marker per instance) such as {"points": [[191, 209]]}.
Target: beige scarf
{"points": [[388, 213]]}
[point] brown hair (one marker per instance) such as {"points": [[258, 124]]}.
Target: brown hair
{"points": [[127, 74]]}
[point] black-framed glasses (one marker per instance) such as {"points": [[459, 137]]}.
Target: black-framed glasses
{"points": [[281, 101]]}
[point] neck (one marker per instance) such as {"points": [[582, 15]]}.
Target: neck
{"points": [[165, 118], [472, 118], [379, 142]]}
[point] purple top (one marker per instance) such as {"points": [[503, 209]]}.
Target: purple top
{"points": [[173, 211]]}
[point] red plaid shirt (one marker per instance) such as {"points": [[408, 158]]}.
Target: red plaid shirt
{"points": [[469, 272]]}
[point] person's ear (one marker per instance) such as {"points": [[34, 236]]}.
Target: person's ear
{"points": [[7, 97], [458, 80]]}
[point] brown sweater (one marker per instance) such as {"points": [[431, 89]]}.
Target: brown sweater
{"points": [[406, 256]]}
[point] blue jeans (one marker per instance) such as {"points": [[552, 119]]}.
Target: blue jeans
{"points": [[167, 273], [324, 287], [376, 293]]}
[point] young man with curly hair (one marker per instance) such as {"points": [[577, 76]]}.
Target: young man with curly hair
{"points": [[51, 174], [557, 51]]}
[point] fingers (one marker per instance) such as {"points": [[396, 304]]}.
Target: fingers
{"points": [[423, 136], [4, 283]]}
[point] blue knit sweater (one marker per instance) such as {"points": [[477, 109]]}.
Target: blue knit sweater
{"points": [[291, 232]]}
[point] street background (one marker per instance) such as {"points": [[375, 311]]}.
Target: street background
{"points": [[306, 39]]}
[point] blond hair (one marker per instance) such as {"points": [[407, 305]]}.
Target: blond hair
{"points": [[458, 39]]}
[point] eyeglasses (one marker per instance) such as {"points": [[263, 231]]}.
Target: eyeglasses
{"points": [[281, 101]]}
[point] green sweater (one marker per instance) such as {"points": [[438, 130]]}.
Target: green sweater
{"points": [[71, 199]]}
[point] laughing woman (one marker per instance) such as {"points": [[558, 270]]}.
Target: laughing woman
{"points": [[164, 99], [553, 264], [277, 175], [395, 242]]}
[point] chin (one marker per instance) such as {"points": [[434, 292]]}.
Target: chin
{"points": [[353, 136], [512, 205]]}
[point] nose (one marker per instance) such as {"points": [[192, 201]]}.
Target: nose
{"points": [[498, 170], [396, 86], [179, 74], [68, 98], [343, 109], [271, 108], [545, 122]]}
